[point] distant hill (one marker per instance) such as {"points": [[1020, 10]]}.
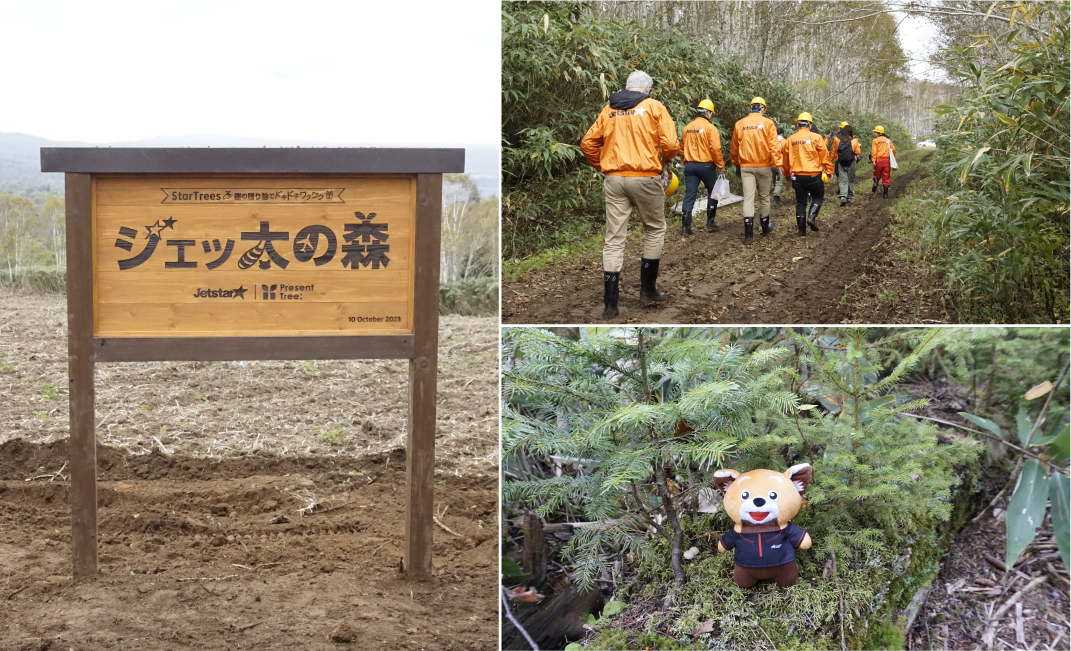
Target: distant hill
{"points": [[20, 158]]}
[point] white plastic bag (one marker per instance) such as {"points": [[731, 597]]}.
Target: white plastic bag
{"points": [[892, 158], [721, 189]]}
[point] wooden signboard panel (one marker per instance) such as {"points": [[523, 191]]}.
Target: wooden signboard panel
{"points": [[211, 256], [234, 254]]}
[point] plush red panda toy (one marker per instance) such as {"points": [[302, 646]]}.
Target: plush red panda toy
{"points": [[762, 503]]}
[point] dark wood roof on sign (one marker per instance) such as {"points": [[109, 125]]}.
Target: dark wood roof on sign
{"points": [[213, 160]]}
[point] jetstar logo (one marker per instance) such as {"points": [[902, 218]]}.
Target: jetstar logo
{"points": [[205, 292]]}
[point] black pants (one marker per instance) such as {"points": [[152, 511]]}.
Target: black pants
{"points": [[693, 174], [808, 186]]}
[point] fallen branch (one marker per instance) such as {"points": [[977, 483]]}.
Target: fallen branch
{"points": [[509, 614], [447, 529], [991, 632]]}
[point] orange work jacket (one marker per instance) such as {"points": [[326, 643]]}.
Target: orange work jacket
{"points": [[701, 143], [631, 142], [754, 142], [804, 152], [836, 145], [879, 147]]}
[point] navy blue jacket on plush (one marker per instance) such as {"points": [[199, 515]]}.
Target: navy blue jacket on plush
{"points": [[764, 549]]}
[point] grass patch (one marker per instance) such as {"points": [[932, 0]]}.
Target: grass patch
{"points": [[585, 245], [469, 297], [331, 435], [37, 280]]}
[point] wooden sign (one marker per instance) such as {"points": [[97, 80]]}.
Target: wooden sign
{"points": [[243, 254], [287, 255]]}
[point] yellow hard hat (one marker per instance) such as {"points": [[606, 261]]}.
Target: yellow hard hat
{"points": [[805, 117], [673, 183], [758, 100], [842, 125], [707, 104], [879, 129]]}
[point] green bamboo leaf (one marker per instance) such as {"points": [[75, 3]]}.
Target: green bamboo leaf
{"points": [[983, 422], [1059, 448], [510, 567], [1024, 423], [1058, 495], [1026, 510]]}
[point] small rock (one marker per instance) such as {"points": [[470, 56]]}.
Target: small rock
{"points": [[343, 634], [144, 589], [218, 540], [327, 568]]}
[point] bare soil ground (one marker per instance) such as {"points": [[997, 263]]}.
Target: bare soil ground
{"points": [[969, 590], [848, 272], [256, 505]]}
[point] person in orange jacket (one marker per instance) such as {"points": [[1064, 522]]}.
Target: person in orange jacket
{"points": [[701, 153], [805, 160], [846, 153], [631, 142], [754, 150], [778, 181], [879, 155]]}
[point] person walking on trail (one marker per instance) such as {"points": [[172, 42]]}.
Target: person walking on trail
{"points": [[778, 181], [879, 155], [805, 160], [631, 142], [701, 153], [753, 151], [846, 153]]}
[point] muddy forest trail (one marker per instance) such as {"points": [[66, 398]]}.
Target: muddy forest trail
{"points": [[848, 272]]}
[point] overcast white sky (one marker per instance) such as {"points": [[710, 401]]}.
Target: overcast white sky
{"points": [[417, 72], [917, 38]]}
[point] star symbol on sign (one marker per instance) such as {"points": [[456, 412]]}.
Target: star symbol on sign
{"points": [[240, 292], [641, 110], [169, 223], [149, 228]]}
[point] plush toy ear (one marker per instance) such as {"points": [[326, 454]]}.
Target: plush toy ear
{"points": [[723, 478], [800, 474]]}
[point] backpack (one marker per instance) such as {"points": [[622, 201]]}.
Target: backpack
{"points": [[845, 154]]}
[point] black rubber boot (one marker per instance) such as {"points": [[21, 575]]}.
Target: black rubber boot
{"points": [[801, 226], [843, 201], [648, 275], [749, 230], [884, 192], [777, 200], [686, 222], [712, 211], [611, 283], [875, 188], [813, 216], [766, 228]]}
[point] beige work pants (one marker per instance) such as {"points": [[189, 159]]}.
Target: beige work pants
{"points": [[756, 178], [645, 194]]}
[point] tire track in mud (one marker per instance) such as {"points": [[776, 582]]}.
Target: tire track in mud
{"points": [[714, 278]]}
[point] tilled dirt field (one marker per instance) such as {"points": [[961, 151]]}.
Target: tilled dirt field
{"points": [[847, 272], [244, 506]]}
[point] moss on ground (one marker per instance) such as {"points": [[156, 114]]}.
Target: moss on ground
{"points": [[875, 585]]}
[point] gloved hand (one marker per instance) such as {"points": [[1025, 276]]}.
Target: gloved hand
{"points": [[737, 170], [825, 179], [857, 157]]}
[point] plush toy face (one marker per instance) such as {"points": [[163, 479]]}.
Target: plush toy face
{"points": [[760, 497]]}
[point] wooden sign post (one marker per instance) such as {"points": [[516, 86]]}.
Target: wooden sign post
{"points": [[243, 254]]}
